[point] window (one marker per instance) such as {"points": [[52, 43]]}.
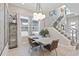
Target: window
{"points": [[24, 26], [35, 27], [54, 12], [73, 35]]}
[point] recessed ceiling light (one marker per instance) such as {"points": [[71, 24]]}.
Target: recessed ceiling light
{"points": [[73, 23], [22, 3]]}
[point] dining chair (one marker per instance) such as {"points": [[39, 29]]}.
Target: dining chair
{"points": [[32, 43], [52, 46]]}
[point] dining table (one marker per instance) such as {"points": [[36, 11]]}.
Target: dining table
{"points": [[42, 41]]}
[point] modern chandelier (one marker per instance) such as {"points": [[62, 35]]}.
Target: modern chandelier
{"points": [[38, 14]]}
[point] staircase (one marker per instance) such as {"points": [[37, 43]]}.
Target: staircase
{"points": [[71, 38], [57, 33], [73, 41]]}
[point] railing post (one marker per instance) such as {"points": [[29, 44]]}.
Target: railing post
{"points": [[72, 34], [76, 36]]}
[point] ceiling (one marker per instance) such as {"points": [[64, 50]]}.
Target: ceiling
{"points": [[47, 7]]}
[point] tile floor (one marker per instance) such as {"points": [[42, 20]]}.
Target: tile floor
{"points": [[24, 50]]}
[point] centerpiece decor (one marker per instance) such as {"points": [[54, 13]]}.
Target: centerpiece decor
{"points": [[44, 32]]}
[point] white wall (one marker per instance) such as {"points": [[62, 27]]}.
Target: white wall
{"points": [[11, 10], [1, 27], [48, 22], [20, 12], [73, 7]]}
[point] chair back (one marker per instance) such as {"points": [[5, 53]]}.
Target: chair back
{"points": [[54, 44], [30, 41]]}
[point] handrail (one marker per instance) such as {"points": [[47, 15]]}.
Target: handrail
{"points": [[57, 21], [73, 29]]}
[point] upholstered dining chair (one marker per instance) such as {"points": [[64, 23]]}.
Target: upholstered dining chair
{"points": [[52, 46], [32, 43]]}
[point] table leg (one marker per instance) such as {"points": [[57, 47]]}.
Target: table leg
{"points": [[41, 49]]}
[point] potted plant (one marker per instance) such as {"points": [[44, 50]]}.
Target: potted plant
{"points": [[44, 32]]}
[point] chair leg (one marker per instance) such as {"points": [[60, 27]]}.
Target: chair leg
{"points": [[30, 50], [56, 52]]}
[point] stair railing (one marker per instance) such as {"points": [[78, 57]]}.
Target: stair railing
{"points": [[57, 21]]}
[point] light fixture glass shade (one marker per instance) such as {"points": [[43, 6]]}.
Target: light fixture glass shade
{"points": [[35, 16], [38, 16], [44, 16]]}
